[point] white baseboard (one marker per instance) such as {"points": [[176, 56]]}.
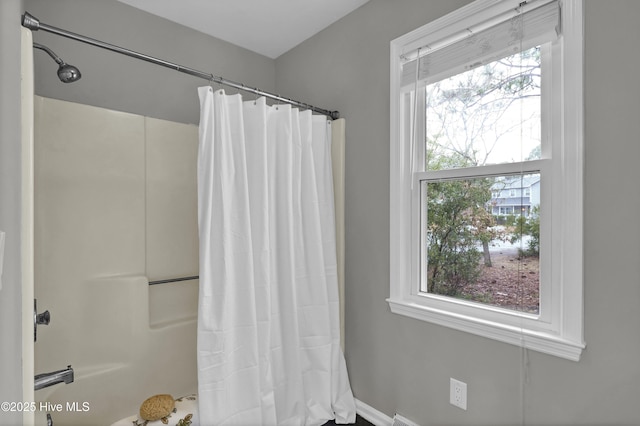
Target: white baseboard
{"points": [[372, 415]]}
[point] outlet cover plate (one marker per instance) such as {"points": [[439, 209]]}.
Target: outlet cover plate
{"points": [[458, 393]]}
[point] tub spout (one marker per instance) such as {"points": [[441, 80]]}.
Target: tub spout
{"points": [[49, 379]]}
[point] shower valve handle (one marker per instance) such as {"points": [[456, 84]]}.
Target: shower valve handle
{"points": [[39, 319], [43, 318]]}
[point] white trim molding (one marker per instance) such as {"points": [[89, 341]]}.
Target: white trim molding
{"points": [[367, 412]]}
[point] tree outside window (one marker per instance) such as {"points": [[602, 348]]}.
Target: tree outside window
{"points": [[488, 115]]}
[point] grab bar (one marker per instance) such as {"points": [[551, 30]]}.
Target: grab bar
{"points": [[173, 280]]}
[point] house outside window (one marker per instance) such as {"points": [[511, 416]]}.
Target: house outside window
{"points": [[505, 199], [486, 148]]}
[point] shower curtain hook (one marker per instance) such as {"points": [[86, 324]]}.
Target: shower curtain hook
{"points": [[249, 90], [255, 96], [215, 80]]}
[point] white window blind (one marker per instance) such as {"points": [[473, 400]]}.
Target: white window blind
{"points": [[529, 25]]}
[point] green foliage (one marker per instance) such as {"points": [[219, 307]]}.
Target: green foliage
{"points": [[457, 220], [528, 226], [507, 220]]}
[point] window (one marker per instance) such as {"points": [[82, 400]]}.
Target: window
{"points": [[486, 159]]}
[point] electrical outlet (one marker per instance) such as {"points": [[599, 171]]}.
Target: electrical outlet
{"points": [[458, 393]]}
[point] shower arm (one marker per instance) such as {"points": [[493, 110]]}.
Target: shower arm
{"points": [[49, 52], [32, 23]]}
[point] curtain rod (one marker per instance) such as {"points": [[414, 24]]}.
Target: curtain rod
{"points": [[32, 23]]}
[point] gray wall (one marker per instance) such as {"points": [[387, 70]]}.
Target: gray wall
{"points": [[10, 211], [397, 364], [114, 81]]}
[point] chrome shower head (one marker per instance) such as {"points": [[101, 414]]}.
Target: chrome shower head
{"points": [[66, 73]]}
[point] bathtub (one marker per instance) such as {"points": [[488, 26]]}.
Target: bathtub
{"points": [[139, 352]]}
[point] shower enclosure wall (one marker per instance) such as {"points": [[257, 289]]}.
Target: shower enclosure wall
{"points": [[115, 208]]}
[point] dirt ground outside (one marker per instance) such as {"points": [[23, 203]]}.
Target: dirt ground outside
{"points": [[512, 282]]}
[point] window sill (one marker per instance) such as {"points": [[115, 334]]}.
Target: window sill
{"points": [[544, 342]]}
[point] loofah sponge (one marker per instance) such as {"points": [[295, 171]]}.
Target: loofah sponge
{"points": [[157, 407]]}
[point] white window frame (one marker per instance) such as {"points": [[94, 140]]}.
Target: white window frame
{"points": [[558, 330]]}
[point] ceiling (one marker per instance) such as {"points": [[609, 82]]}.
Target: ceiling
{"points": [[268, 27]]}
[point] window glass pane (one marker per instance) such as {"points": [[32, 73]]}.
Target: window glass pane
{"points": [[482, 244], [488, 115]]}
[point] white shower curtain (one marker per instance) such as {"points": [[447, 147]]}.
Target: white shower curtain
{"points": [[268, 321]]}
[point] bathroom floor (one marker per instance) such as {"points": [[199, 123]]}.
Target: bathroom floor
{"points": [[359, 422]]}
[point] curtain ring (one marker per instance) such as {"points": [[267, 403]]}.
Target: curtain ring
{"points": [[214, 81]]}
